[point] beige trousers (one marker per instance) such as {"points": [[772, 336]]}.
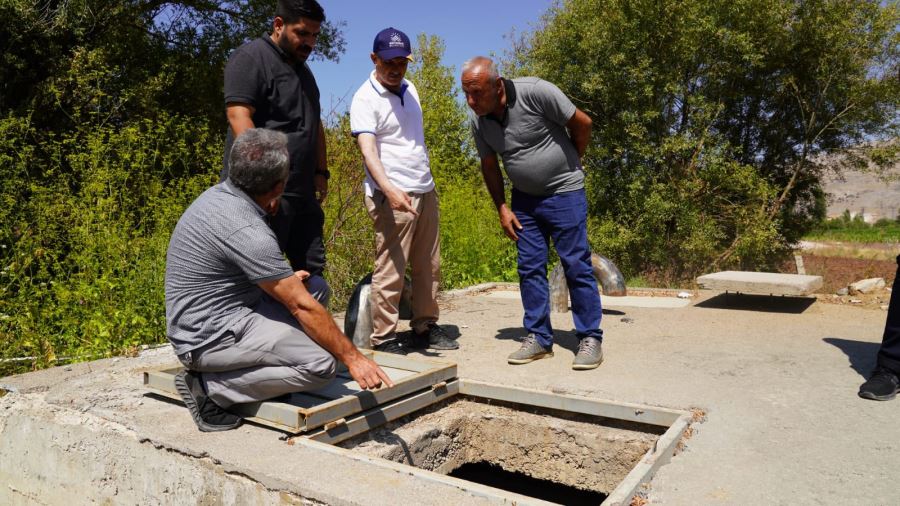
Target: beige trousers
{"points": [[401, 239]]}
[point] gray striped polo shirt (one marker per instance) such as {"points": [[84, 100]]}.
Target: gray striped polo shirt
{"points": [[220, 250]]}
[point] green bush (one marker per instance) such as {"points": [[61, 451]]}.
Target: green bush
{"points": [[84, 258]]}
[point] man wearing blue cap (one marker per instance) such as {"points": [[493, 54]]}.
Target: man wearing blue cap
{"points": [[386, 119]]}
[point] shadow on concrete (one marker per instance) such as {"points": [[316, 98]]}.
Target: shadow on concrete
{"points": [[761, 303], [511, 334], [563, 338], [612, 312], [453, 331], [860, 353]]}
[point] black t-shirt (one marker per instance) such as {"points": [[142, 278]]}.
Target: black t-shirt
{"points": [[285, 98]]}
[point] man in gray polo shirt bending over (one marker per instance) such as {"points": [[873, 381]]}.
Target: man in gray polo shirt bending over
{"points": [[541, 136], [242, 322]]}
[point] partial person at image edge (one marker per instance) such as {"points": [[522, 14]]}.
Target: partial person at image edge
{"points": [[884, 382]]}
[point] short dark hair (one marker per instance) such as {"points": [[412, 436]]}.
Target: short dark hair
{"points": [[259, 161], [292, 10]]}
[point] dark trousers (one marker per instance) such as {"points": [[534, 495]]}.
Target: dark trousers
{"points": [[889, 354], [562, 217], [298, 226]]}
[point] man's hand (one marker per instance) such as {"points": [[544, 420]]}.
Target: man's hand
{"points": [[321, 184], [399, 200], [320, 326], [301, 275], [509, 222], [367, 374]]}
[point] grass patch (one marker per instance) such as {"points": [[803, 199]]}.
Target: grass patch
{"points": [[847, 229]]}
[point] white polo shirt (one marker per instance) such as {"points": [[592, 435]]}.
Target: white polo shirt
{"points": [[396, 122]]}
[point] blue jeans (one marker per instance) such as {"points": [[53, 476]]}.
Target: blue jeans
{"points": [[562, 217]]}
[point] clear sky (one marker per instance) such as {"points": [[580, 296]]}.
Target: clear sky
{"points": [[467, 27]]}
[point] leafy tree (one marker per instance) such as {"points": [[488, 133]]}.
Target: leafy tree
{"points": [[473, 248], [142, 55], [447, 133], [710, 117], [111, 122]]}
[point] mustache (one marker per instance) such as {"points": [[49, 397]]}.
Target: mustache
{"points": [[305, 48]]}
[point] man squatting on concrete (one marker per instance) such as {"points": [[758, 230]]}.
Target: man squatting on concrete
{"points": [[524, 121], [241, 320], [884, 383], [269, 85], [386, 119]]}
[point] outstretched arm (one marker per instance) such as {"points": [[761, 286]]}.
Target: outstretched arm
{"points": [[321, 328]]}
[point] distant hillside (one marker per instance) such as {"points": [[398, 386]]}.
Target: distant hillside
{"points": [[863, 192]]}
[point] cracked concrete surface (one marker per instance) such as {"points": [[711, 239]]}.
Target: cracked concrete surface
{"points": [[784, 424]]}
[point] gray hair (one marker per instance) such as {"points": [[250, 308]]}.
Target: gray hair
{"points": [[482, 62], [259, 161]]}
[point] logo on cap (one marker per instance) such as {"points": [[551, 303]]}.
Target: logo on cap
{"points": [[391, 43]]}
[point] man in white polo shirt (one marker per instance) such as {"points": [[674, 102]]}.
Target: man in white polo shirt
{"points": [[386, 119]]}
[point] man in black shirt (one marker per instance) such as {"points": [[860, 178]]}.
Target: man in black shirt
{"points": [[269, 85]]}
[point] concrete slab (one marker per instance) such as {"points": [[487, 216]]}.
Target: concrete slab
{"points": [[763, 283], [783, 422]]}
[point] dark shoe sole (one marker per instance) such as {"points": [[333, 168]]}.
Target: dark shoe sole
{"points": [[185, 392], [520, 361], [873, 397]]}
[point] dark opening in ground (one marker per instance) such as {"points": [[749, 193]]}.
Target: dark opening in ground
{"points": [[495, 476], [515, 448]]}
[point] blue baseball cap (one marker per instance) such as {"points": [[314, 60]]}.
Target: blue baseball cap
{"points": [[391, 43]]}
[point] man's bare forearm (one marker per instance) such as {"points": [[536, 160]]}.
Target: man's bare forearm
{"points": [[493, 180], [580, 126], [314, 318]]}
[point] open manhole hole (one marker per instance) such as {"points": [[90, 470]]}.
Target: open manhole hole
{"points": [[505, 444], [560, 457]]}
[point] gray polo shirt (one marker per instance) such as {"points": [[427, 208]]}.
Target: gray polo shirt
{"points": [[537, 153], [220, 249]]}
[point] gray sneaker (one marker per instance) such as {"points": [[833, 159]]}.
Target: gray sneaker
{"points": [[590, 354], [530, 351]]}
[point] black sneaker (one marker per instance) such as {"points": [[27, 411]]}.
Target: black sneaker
{"points": [[883, 385], [208, 416], [391, 346], [436, 338]]}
